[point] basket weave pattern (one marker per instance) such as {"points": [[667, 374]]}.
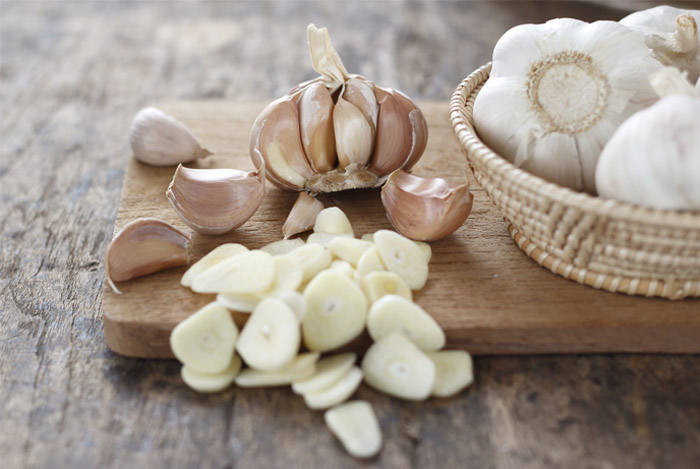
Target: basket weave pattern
{"points": [[605, 244]]}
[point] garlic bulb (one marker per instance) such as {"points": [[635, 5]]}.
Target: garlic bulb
{"points": [[215, 201], [159, 139], [339, 131], [671, 34], [653, 159], [557, 92], [425, 209]]}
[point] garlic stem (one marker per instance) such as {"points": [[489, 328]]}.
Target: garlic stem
{"points": [[324, 58]]}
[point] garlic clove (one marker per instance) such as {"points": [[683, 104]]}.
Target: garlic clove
{"points": [[276, 141], [337, 392], [378, 284], [247, 273], [360, 93], [208, 382], [215, 201], [419, 128], [159, 139], [669, 81], [316, 126], [354, 137], [283, 246], [333, 220], [215, 256], [302, 216], [355, 425], [453, 372], [145, 246], [394, 313], [394, 135], [425, 209]]}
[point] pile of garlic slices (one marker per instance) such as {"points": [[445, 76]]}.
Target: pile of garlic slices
{"points": [[559, 91], [322, 293]]}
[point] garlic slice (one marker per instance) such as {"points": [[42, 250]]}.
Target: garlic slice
{"points": [[453, 372], [159, 139], [357, 428], [394, 313], [303, 366], [403, 257], [328, 371], [248, 272], [145, 246], [214, 256], [425, 209], [302, 216], [208, 382], [215, 201], [336, 393], [353, 135]]}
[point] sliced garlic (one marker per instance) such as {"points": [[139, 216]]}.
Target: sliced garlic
{"points": [[316, 124], [239, 302], [395, 366], [357, 428], [370, 261], [302, 216], [344, 267], [145, 246], [294, 300], [288, 276], [348, 249], [403, 257], [453, 372], [328, 371], [270, 339], [312, 258], [283, 246], [248, 272], [205, 341], [208, 382], [303, 366], [380, 283], [214, 256], [336, 311], [425, 209], [336, 393], [360, 93], [324, 238], [332, 220], [215, 201], [394, 313], [159, 139]]}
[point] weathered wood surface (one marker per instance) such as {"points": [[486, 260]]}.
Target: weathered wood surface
{"points": [[72, 74]]}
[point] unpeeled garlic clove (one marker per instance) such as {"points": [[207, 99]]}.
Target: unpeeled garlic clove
{"points": [[302, 216], [316, 126], [354, 137], [215, 201], [419, 129], [394, 134], [159, 139], [425, 209], [145, 246], [360, 93]]}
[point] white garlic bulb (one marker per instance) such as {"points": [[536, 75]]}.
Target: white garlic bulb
{"points": [[671, 34], [159, 139], [557, 92], [653, 159]]}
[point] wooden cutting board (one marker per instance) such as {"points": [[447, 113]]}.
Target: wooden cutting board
{"points": [[488, 295]]}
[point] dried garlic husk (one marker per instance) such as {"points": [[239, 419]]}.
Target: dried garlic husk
{"points": [[653, 159], [159, 139], [671, 34], [339, 131], [215, 201], [557, 92], [425, 209]]}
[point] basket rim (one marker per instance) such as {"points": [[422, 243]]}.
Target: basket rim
{"points": [[463, 127]]}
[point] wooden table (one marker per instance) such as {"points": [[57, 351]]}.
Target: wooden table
{"points": [[72, 75]]}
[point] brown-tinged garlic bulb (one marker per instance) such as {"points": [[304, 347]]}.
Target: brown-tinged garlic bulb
{"points": [[145, 246], [302, 216], [339, 131], [215, 201], [159, 139], [425, 209]]}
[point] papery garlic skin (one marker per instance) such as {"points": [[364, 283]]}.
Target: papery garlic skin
{"points": [[425, 209], [556, 93], [671, 34], [653, 159], [159, 139], [215, 201]]}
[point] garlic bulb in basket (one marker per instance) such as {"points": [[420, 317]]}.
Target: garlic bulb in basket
{"points": [[339, 131], [557, 92], [671, 34], [653, 159]]}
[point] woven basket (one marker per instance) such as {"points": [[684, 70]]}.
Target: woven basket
{"points": [[605, 244]]}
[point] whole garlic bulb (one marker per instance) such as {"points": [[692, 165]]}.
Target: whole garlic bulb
{"points": [[653, 159], [557, 92], [671, 34], [339, 131]]}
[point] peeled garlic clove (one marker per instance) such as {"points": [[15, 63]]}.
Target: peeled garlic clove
{"points": [[380, 283], [215, 201], [395, 366], [453, 372], [145, 246], [425, 209], [214, 256], [394, 135], [270, 339], [316, 125], [283, 246], [276, 141], [403, 257], [302, 216], [205, 341], [248, 273], [333, 220], [328, 371], [303, 366], [208, 382], [348, 249], [354, 137], [288, 275], [357, 428], [239, 302], [312, 258], [294, 300], [337, 392], [419, 127], [360, 93], [159, 139], [370, 261], [394, 313]]}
